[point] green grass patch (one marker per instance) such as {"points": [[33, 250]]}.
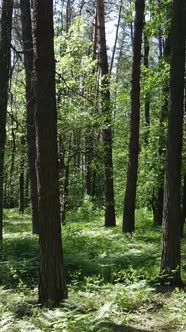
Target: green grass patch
{"points": [[111, 279]]}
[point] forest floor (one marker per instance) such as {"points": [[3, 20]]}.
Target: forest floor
{"points": [[112, 279]]}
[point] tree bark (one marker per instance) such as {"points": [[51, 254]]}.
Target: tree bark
{"points": [[5, 43], [89, 159], [107, 113], [130, 193], [30, 108], [183, 207], [157, 204], [116, 36], [171, 251], [21, 177], [52, 288], [147, 97]]}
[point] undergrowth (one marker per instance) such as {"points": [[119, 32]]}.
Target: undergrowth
{"points": [[111, 279]]}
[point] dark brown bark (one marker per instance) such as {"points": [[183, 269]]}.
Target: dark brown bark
{"points": [[5, 42], [21, 177], [27, 189], [10, 197], [147, 97], [66, 192], [21, 192], [107, 112], [90, 133], [171, 251], [130, 193], [68, 15], [52, 288], [65, 174], [183, 207], [157, 204], [30, 108], [89, 159]]}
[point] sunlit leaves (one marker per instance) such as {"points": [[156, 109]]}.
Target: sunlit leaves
{"points": [[75, 77]]}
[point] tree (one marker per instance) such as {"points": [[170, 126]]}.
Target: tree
{"points": [[107, 113], [52, 289], [30, 108], [5, 43], [170, 260], [157, 201], [147, 101], [130, 193]]}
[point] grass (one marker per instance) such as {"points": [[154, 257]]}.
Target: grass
{"points": [[111, 279]]}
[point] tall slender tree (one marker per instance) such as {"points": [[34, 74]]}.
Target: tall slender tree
{"points": [[147, 97], [107, 112], [130, 193], [30, 107], [5, 43], [52, 289], [170, 260]]}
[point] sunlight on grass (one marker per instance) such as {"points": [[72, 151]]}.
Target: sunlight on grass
{"points": [[111, 279]]}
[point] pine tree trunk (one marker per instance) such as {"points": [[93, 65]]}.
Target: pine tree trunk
{"points": [[147, 97], [30, 107], [5, 43], [171, 251], [107, 112], [157, 204], [21, 178], [89, 158], [183, 207], [10, 200], [130, 193], [52, 289]]}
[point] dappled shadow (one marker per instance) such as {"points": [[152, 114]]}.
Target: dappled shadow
{"points": [[148, 239], [118, 327], [19, 262], [108, 265], [17, 227], [168, 289]]}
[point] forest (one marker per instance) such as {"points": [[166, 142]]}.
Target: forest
{"points": [[92, 165]]}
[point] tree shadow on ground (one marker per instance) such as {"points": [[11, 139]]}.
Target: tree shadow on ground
{"points": [[112, 327], [168, 289]]}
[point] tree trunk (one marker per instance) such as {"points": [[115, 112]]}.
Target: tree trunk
{"points": [[130, 193], [170, 260], [65, 177], [66, 192], [5, 43], [116, 36], [21, 177], [147, 97], [89, 159], [27, 191], [107, 113], [157, 204], [52, 289], [183, 207], [30, 107], [11, 200]]}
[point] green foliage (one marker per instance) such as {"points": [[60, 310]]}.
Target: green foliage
{"points": [[110, 279], [75, 92], [87, 211], [152, 156], [160, 18]]}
